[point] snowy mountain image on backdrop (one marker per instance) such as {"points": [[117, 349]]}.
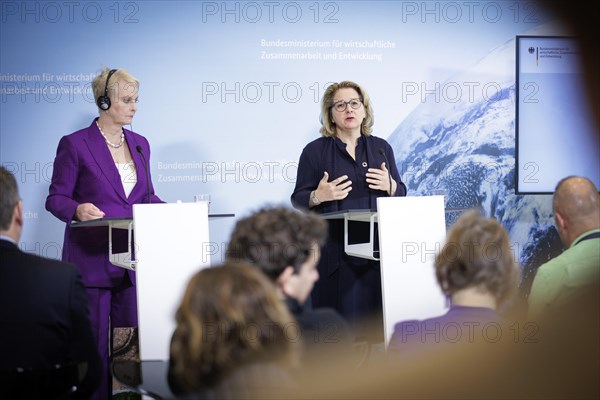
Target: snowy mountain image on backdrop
{"points": [[462, 139]]}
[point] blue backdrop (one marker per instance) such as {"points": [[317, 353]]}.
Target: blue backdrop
{"points": [[230, 95]]}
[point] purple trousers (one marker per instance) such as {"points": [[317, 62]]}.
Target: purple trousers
{"points": [[110, 308]]}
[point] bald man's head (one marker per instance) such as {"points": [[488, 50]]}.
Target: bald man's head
{"points": [[576, 207]]}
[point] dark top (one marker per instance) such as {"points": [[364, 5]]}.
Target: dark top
{"points": [[260, 380], [321, 326], [459, 325], [44, 317], [330, 154], [253, 380]]}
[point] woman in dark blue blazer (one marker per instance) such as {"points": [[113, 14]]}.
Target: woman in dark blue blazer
{"points": [[347, 168]]}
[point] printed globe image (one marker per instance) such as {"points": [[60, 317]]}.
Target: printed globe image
{"points": [[462, 139]]}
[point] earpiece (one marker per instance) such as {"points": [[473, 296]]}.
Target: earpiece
{"points": [[104, 101]]}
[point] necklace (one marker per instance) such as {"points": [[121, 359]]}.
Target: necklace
{"points": [[114, 146]]}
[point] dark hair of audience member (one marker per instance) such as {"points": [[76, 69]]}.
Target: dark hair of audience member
{"points": [[275, 238]]}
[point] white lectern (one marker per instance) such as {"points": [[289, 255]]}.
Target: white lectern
{"points": [[412, 230], [171, 244]]}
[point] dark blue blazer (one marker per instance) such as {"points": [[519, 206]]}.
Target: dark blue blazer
{"points": [[329, 154]]}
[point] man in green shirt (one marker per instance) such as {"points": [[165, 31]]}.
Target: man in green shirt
{"points": [[576, 207]]}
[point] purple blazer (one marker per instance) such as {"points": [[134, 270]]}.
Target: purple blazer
{"points": [[84, 172]]}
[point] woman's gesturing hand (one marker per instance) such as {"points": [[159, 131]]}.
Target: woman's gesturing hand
{"points": [[337, 189]]}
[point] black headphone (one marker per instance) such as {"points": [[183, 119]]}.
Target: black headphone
{"points": [[104, 101]]}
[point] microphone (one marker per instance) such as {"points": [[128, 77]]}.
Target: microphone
{"points": [[139, 150], [382, 152]]}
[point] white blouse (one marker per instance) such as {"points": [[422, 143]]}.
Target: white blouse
{"points": [[128, 176]]}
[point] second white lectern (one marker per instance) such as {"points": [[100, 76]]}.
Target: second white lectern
{"points": [[170, 244], [412, 230]]}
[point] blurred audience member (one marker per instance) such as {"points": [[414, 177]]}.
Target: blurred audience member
{"points": [[44, 320], [285, 245], [477, 272], [576, 206], [232, 338]]}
